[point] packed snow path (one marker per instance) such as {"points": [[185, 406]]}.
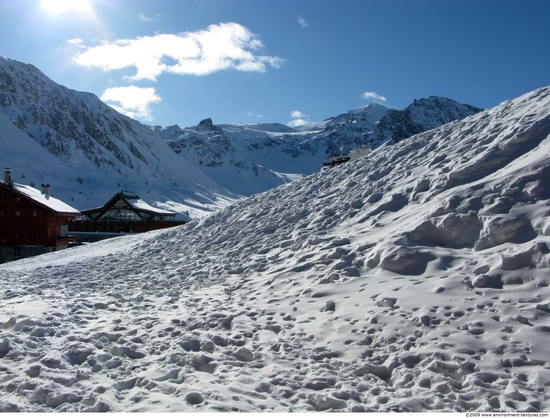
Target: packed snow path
{"points": [[414, 279]]}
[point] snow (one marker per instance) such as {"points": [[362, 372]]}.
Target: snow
{"points": [[141, 204], [45, 199], [413, 279]]}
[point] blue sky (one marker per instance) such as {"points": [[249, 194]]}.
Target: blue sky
{"points": [[168, 62]]}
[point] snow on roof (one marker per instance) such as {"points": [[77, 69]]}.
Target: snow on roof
{"points": [[44, 200], [142, 205], [135, 202]]}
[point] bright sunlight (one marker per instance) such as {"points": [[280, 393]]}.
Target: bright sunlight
{"points": [[56, 7]]}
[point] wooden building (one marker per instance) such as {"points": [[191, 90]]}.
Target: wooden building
{"points": [[125, 212], [32, 222]]}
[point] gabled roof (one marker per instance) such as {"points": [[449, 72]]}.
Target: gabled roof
{"points": [[48, 202], [142, 205], [133, 201]]}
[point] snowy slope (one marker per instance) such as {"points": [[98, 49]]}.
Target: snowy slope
{"points": [[414, 279], [249, 159], [87, 151]]}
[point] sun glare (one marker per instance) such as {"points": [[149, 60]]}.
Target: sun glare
{"points": [[56, 7]]}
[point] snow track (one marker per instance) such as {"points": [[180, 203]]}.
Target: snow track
{"points": [[414, 279]]}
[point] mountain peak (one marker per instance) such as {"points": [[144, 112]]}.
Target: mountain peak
{"points": [[372, 106], [205, 124], [420, 116]]}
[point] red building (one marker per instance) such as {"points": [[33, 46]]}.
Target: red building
{"points": [[31, 221]]}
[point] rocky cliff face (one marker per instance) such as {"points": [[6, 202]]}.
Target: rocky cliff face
{"points": [[67, 122], [351, 130], [420, 116]]}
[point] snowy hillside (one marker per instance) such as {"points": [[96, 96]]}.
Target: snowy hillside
{"points": [[87, 151], [249, 159], [414, 279]]}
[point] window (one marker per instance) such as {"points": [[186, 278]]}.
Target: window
{"points": [[34, 213], [121, 215], [17, 213], [17, 232]]}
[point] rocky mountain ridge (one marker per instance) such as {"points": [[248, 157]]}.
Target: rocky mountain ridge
{"points": [[89, 151], [274, 154]]}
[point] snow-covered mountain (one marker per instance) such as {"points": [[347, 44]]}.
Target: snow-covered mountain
{"points": [[87, 151], [413, 279], [422, 115], [253, 158], [247, 159]]}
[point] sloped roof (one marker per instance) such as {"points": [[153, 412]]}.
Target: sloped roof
{"points": [[47, 201], [134, 201], [142, 205]]}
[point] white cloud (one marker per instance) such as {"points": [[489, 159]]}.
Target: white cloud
{"points": [[302, 22], [144, 18], [75, 41], [255, 115], [298, 119], [219, 47], [132, 101], [295, 114], [298, 122], [371, 95]]}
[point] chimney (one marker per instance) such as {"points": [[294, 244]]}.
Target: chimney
{"points": [[47, 190], [43, 188], [7, 177]]}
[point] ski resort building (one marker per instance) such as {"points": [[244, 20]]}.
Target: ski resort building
{"points": [[354, 154], [125, 212], [32, 222]]}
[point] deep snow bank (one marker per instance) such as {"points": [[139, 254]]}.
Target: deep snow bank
{"points": [[413, 279]]}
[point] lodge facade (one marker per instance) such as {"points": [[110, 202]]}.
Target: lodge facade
{"points": [[125, 212], [32, 222]]}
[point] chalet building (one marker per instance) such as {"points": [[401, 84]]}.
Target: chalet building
{"points": [[125, 212], [31, 221]]}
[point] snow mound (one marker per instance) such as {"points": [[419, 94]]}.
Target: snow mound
{"points": [[414, 279]]}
